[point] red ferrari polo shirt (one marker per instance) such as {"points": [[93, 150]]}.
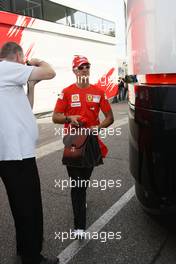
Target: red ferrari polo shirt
{"points": [[86, 102]]}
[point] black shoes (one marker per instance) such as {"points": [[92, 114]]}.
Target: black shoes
{"points": [[40, 260], [49, 261]]}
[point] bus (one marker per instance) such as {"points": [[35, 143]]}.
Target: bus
{"points": [[55, 31], [151, 39]]}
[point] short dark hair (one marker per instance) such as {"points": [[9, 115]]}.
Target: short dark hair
{"points": [[10, 48]]}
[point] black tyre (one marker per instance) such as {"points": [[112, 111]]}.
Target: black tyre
{"points": [[153, 204]]}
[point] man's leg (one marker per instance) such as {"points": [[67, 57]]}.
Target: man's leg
{"points": [[78, 194], [22, 184]]}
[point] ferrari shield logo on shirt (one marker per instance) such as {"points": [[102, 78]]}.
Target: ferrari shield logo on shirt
{"points": [[75, 98], [89, 98], [93, 98]]}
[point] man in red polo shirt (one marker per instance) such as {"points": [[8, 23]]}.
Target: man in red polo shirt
{"points": [[81, 102]]}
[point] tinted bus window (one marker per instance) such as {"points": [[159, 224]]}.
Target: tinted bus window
{"points": [[76, 18], [108, 28], [54, 12], [94, 23], [28, 8], [5, 5]]}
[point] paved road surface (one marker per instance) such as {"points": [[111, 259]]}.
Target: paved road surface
{"points": [[112, 212]]}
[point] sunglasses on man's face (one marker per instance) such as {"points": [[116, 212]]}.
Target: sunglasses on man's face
{"points": [[80, 68]]}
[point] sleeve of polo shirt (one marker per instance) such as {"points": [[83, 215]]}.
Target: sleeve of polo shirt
{"points": [[61, 103], [104, 103], [21, 73]]}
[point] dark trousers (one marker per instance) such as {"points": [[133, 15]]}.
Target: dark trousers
{"points": [[80, 177], [22, 184], [121, 93]]}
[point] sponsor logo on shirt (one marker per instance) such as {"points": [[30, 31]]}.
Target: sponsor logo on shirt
{"points": [[61, 96], [75, 98], [106, 98], [92, 108], [75, 104], [96, 98], [93, 98]]}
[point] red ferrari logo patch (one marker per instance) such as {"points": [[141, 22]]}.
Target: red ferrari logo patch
{"points": [[89, 98]]}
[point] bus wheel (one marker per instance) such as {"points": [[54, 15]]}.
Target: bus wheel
{"points": [[148, 201], [153, 204]]}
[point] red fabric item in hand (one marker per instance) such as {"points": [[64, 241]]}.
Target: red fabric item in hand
{"points": [[103, 148]]}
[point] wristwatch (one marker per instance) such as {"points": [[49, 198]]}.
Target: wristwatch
{"points": [[67, 120]]}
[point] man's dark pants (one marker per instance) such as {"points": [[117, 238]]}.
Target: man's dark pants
{"points": [[22, 184], [78, 194]]}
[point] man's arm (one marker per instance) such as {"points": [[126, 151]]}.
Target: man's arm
{"points": [[42, 71], [30, 92], [109, 119], [60, 118]]}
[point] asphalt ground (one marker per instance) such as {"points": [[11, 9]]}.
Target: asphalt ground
{"points": [[143, 239]]}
